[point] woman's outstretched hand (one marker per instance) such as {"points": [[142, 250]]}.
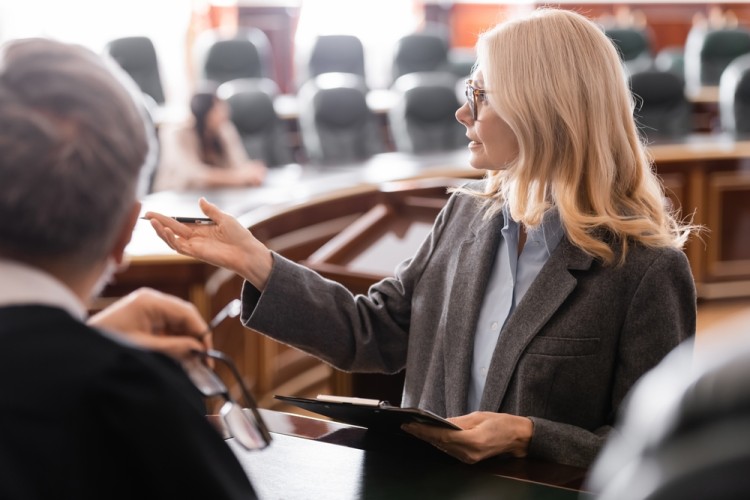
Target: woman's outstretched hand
{"points": [[226, 243]]}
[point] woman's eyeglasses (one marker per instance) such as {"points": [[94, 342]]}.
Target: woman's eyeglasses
{"points": [[474, 96], [243, 423]]}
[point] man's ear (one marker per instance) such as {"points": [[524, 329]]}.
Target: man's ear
{"points": [[126, 232]]}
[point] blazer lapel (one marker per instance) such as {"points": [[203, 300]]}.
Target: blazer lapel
{"points": [[545, 295], [475, 256]]}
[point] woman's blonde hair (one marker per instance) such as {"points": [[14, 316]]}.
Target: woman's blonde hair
{"points": [[558, 82]]}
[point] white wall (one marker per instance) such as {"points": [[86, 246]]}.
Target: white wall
{"points": [[95, 22]]}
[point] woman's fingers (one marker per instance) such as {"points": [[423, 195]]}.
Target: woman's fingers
{"points": [[177, 244], [212, 211], [177, 228]]}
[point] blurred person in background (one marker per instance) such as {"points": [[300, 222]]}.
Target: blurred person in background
{"points": [[206, 151]]}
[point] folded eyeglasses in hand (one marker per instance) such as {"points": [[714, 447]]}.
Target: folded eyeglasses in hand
{"points": [[244, 424]]}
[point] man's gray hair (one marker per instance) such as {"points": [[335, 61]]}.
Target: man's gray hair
{"points": [[72, 143]]}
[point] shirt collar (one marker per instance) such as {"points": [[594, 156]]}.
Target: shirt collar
{"points": [[550, 231], [24, 285]]}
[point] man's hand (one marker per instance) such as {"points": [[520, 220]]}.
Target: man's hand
{"points": [[158, 322], [483, 435]]}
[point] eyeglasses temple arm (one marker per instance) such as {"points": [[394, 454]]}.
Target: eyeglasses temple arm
{"points": [[249, 399]]}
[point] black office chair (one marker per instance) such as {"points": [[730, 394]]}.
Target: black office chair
{"points": [[709, 51], [137, 56], [461, 61], [335, 122], [245, 55], [263, 134], [419, 52], [662, 110], [685, 433], [671, 59], [734, 96], [331, 54], [423, 118], [634, 47]]}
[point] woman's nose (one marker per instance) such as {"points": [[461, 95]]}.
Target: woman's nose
{"points": [[463, 114]]}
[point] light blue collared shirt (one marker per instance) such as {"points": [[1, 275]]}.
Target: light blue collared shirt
{"points": [[511, 277]]}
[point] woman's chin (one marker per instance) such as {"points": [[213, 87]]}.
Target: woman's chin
{"points": [[477, 161]]}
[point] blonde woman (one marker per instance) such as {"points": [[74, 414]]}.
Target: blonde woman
{"points": [[543, 292]]}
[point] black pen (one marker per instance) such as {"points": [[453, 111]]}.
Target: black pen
{"points": [[192, 220]]}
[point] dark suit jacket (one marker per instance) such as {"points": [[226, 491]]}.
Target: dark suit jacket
{"points": [[84, 417], [566, 357]]}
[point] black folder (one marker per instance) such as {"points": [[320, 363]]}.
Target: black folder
{"points": [[373, 414]]}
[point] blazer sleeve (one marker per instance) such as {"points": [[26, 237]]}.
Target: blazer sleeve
{"points": [[365, 333], [659, 317]]}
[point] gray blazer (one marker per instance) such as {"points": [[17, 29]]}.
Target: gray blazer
{"points": [[566, 357]]}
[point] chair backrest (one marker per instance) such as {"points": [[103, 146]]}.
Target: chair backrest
{"points": [[335, 122], [137, 56], [662, 110], [245, 55], [709, 51], [630, 42], [685, 432], [332, 54], [423, 118], [671, 59], [734, 96], [634, 47], [418, 52], [263, 134]]}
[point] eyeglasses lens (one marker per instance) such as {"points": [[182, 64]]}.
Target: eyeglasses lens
{"points": [[242, 425], [471, 99]]}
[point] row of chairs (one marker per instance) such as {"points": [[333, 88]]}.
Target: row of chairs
{"points": [[663, 110], [247, 54], [426, 50], [335, 123], [707, 52]]}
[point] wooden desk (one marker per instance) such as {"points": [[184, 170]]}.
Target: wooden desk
{"points": [[704, 95], [700, 147], [317, 459], [706, 176]]}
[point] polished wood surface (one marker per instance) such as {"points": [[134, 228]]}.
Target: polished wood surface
{"points": [[700, 147], [706, 179], [312, 458]]}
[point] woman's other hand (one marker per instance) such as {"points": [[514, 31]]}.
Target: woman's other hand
{"points": [[483, 435]]}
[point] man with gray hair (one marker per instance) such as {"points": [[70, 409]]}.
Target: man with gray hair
{"points": [[84, 413]]}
